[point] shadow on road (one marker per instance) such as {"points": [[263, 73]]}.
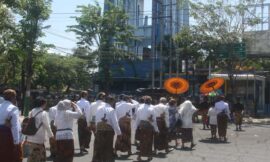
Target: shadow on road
{"points": [[213, 141]]}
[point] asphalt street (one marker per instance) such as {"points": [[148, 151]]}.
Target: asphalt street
{"points": [[250, 145]]}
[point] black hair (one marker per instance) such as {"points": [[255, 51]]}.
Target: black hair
{"points": [[39, 101]]}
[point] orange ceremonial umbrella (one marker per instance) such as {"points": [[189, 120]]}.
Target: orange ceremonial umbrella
{"points": [[176, 85], [211, 85]]}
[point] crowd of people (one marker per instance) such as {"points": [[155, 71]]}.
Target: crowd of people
{"points": [[111, 122]]}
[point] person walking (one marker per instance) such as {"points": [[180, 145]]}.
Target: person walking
{"points": [[124, 113], [91, 112], [67, 111], [212, 114], [173, 115], [52, 114], [162, 118], [147, 126], [37, 152], [106, 126], [10, 128], [237, 111], [223, 115], [84, 134], [186, 112]]}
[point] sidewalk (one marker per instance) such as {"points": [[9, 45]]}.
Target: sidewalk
{"points": [[250, 120]]}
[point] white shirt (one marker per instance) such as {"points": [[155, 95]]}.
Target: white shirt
{"points": [[123, 108], [162, 109], [222, 106], [64, 120], [41, 118], [110, 116], [91, 112], [7, 111], [144, 112], [212, 113], [2, 100], [84, 105], [52, 113], [186, 112]]}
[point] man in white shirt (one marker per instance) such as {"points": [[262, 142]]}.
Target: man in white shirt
{"points": [[106, 127], [91, 112], [36, 142], [84, 133], [145, 127], [223, 115], [162, 117], [124, 112], [10, 128]]}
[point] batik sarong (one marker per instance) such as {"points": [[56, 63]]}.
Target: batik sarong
{"points": [[187, 135], [222, 120], [161, 139], [145, 136], [103, 145], [213, 130], [37, 152], [65, 150], [238, 118], [123, 142], [84, 134]]}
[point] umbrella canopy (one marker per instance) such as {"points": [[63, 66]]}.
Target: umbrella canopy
{"points": [[211, 85], [176, 85]]}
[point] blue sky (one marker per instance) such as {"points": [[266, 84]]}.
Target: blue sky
{"points": [[62, 10]]}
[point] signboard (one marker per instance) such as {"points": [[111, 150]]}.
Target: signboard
{"points": [[231, 50]]}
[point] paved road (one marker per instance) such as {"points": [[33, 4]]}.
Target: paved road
{"points": [[250, 145]]}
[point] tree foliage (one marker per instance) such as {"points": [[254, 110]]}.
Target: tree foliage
{"points": [[107, 31]]}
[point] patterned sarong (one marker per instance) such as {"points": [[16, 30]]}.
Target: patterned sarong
{"points": [[65, 150], [161, 139], [187, 135], [222, 120], [37, 152], [123, 142], [103, 145], [84, 134], [238, 118], [145, 136]]}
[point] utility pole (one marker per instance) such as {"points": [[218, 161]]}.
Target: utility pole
{"points": [[154, 15], [170, 43], [161, 44]]}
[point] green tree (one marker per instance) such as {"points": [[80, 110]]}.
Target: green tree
{"points": [[108, 32], [33, 13], [223, 26]]}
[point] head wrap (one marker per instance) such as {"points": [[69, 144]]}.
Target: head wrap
{"points": [[64, 105]]}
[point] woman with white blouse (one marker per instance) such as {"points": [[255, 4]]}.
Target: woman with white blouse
{"points": [[67, 111]]}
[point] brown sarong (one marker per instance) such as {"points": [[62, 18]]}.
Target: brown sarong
{"points": [[204, 117], [84, 134], [238, 118], [53, 144], [123, 142], [161, 139], [65, 150], [103, 145], [145, 136], [37, 152], [222, 120], [187, 135], [6, 144]]}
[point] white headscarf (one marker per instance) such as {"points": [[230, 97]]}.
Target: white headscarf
{"points": [[186, 107], [64, 105]]}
